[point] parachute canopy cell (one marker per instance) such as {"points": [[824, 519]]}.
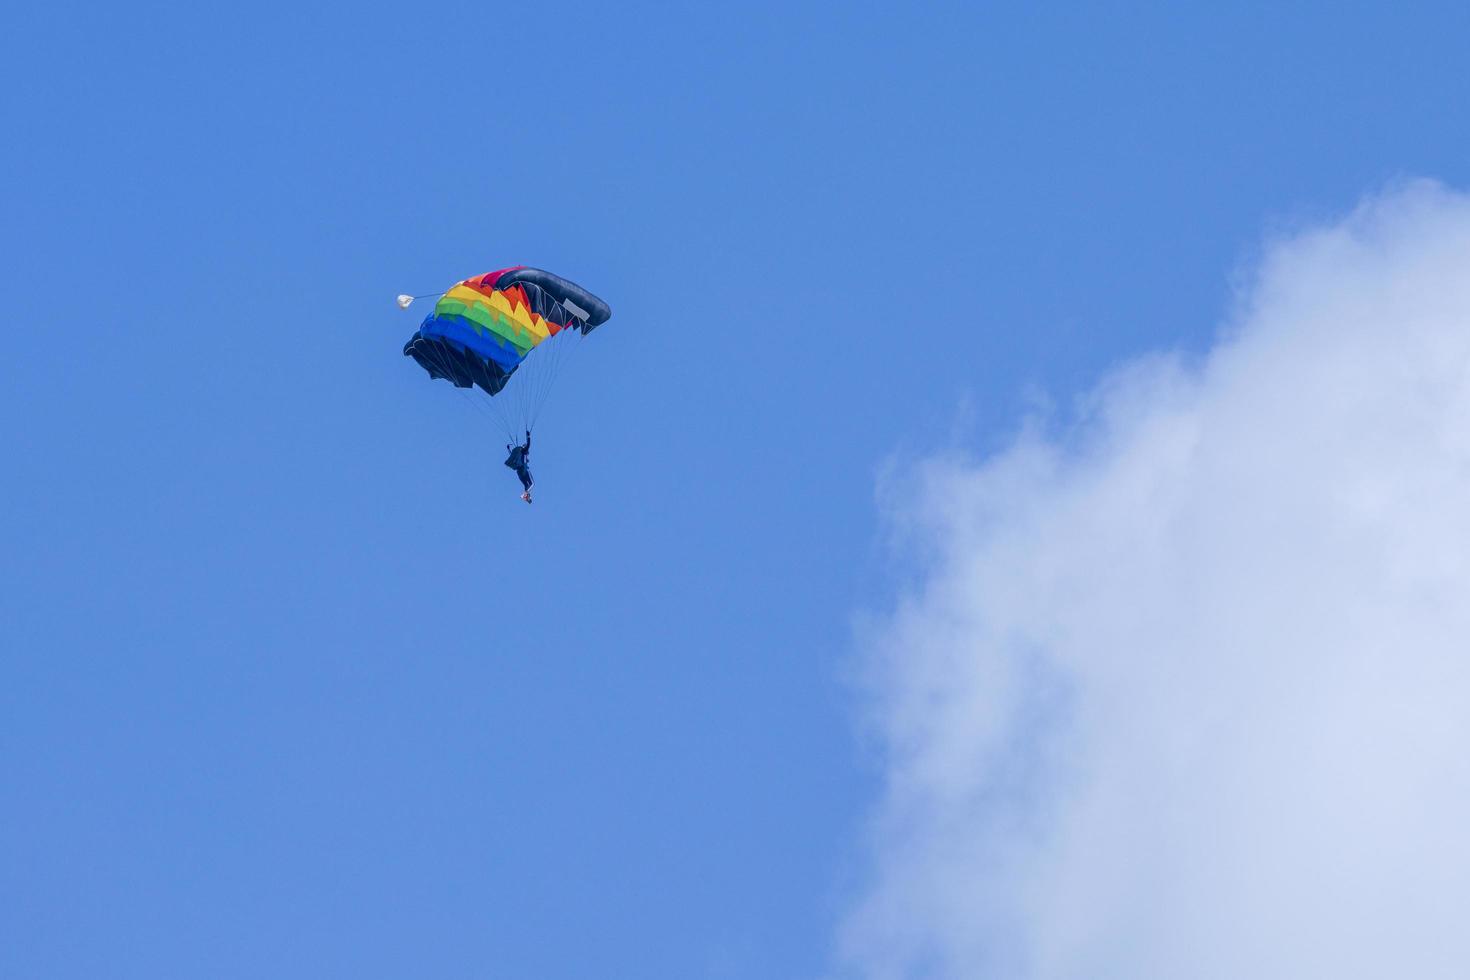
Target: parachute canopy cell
{"points": [[483, 328]]}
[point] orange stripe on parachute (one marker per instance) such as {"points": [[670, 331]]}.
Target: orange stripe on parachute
{"points": [[518, 300]]}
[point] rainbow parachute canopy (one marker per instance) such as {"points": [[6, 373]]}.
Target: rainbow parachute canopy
{"points": [[483, 328]]}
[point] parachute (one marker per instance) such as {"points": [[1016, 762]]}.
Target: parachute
{"points": [[507, 333]]}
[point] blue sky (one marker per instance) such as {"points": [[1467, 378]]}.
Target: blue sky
{"points": [[293, 685]]}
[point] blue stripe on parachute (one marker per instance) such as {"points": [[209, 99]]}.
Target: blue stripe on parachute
{"points": [[458, 330]]}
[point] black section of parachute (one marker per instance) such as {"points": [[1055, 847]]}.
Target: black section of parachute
{"points": [[547, 292], [461, 367]]}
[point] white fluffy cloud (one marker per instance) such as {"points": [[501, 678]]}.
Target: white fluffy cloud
{"points": [[1184, 691]]}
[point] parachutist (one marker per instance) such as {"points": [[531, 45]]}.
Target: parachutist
{"points": [[520, 461], [495, 332]]}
